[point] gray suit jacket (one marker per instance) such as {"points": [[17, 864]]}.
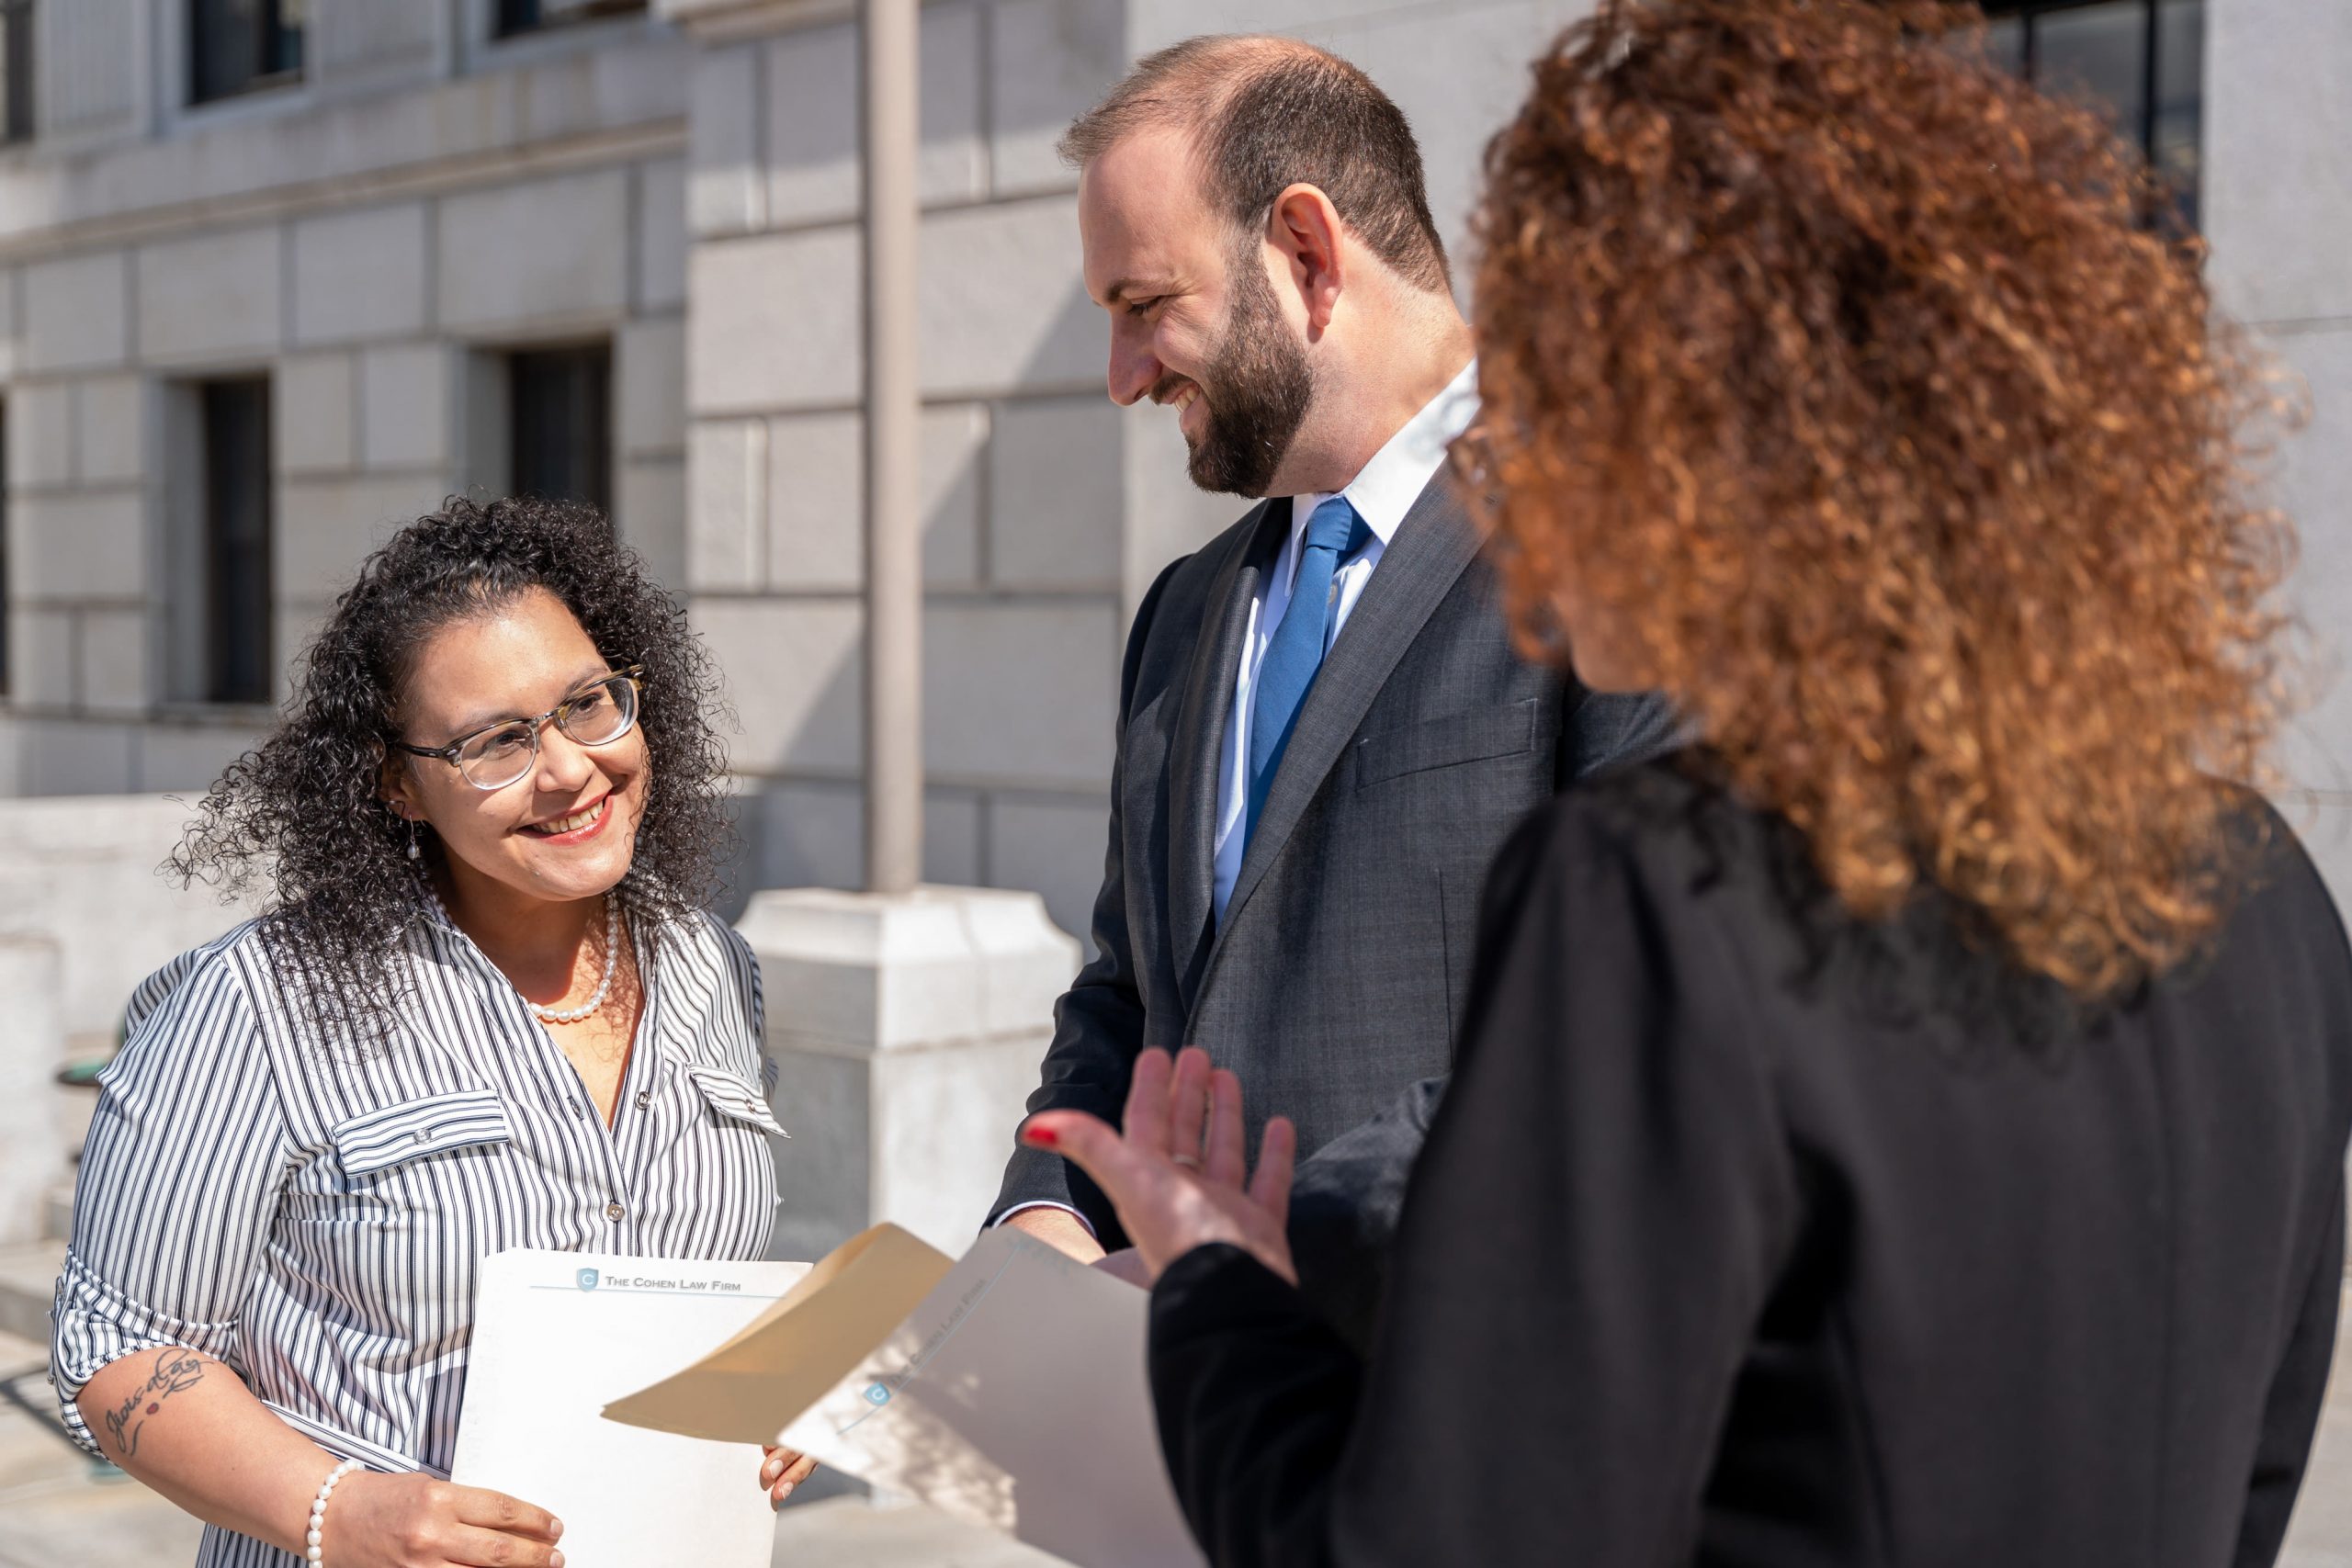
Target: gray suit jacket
{"points": [[1336, 983]]}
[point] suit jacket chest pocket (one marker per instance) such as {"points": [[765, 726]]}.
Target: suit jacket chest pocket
{"points": [[1512, 729], [407, 1162]]}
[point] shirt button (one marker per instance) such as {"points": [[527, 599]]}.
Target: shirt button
{"points": [[644, 1097], [420, 1135], [613, 1212]]}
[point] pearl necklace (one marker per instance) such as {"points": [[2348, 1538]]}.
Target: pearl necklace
{"points": [[603, 986]]}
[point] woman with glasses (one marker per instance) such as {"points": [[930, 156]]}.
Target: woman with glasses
{"points": [[485, 1008]]}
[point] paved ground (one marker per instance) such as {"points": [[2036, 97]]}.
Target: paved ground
{"points": [[2321, 1535], [57, 1510]]}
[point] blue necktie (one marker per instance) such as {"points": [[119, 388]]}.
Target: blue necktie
{"points": [[1297, 651]]}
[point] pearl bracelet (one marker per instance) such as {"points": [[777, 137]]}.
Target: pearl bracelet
{"points": [[319, 1505]]}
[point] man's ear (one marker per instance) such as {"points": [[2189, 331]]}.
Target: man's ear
{"points": [[1306, 228]]}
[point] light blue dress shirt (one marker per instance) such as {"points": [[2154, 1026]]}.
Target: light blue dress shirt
{"points": [[1380, 494]]}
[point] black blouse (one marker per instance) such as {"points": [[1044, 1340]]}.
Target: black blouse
{"points": [[1752, 1234]]}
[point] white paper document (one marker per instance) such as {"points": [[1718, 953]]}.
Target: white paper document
{"points": [[1007, 1389], [557, 1336]]}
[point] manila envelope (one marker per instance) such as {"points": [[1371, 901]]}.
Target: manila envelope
{"points": [[1008, 1390]]}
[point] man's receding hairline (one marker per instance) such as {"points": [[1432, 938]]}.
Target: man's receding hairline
{"points": [[1191, 94], [1239, 105]]}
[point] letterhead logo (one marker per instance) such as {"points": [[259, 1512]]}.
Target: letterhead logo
{"points": [[587, 1279]]}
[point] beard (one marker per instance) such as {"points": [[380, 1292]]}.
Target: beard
{"points": [[1258, 394]]}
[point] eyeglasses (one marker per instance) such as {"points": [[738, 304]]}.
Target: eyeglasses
{"points": [[495, 757]]}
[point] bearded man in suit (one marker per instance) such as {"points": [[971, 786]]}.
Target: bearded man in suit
{"points": [[1324, 731]]}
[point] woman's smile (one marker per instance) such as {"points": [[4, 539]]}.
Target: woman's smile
{"points": [[578, 827]]}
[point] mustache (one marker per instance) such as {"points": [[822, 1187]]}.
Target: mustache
{"points": [[1167, 385]]}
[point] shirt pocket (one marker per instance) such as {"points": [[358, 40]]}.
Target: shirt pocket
{"points": [[736, 1098], [1473, 737], [371, 1144]]}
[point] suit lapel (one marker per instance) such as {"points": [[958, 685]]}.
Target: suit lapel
{"points": [[1196, 749], [1432, 546]]}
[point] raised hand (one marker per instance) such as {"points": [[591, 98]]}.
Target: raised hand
{"points": [[1178, 1177]]}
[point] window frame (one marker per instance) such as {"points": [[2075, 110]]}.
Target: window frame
{"points": [[2142, 136], [19, 99], [272, 24], [222, 651], [532, 372], [504, 25], [7, 610]]}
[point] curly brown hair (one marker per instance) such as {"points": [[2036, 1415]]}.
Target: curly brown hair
{"points": [[302, 817], [1849, 370]]}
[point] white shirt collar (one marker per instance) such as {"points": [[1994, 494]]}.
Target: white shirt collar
{"points": [[1389, 484]]}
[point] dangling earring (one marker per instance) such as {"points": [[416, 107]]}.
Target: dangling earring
{"points": [[413, 852]]}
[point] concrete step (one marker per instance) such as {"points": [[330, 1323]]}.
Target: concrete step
{"points": [[57, 1211], [27, 1285]]}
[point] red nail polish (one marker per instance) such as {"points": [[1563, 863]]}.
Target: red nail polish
{"points": [[1044, 1137]]}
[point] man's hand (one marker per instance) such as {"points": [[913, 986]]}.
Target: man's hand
{"points": [[781, 1469], [1177, 1174], [1060, 1230]]}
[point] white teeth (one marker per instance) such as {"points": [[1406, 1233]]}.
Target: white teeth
{"points": [[573, 823]]}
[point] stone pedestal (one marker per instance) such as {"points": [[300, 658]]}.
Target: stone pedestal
{"points": [[32, 1154], [907, 1032]]}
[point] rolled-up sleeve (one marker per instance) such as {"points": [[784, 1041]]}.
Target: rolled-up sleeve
{"points": [[178, 1185]]}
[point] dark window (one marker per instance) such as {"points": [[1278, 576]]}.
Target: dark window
{"points": [[16, 70], [236, 541], [2143, 61], [533, 15], [243, 46], [560, 407], [4, 552]]}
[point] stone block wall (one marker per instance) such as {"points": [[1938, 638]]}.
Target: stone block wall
{"points": [[2278, 206], [358, 239], [1051, 511], [686, 187], [1024, 460]]}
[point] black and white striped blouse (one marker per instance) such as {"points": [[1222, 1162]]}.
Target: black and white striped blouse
{"points": [[314, 1219]]}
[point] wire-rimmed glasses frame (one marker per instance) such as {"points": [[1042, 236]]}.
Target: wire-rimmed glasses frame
{"points": [[622, 687]]}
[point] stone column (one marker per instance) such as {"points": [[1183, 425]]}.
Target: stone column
{"points": [[893, 453], [906, 1031], [907, 1023]]}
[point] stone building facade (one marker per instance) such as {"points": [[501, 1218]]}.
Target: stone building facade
{"points": [[368, 241], [398, 234]]}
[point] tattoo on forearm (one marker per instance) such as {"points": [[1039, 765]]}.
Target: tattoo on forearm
{"points": [[174, 1370]]}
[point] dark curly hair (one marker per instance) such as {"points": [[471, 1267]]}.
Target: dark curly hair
{"points": [[304, 812], [1850, 369]]}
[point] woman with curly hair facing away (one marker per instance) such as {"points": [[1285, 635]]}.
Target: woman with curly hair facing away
{"points": [[484, 1010], [1908, 1126]]}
